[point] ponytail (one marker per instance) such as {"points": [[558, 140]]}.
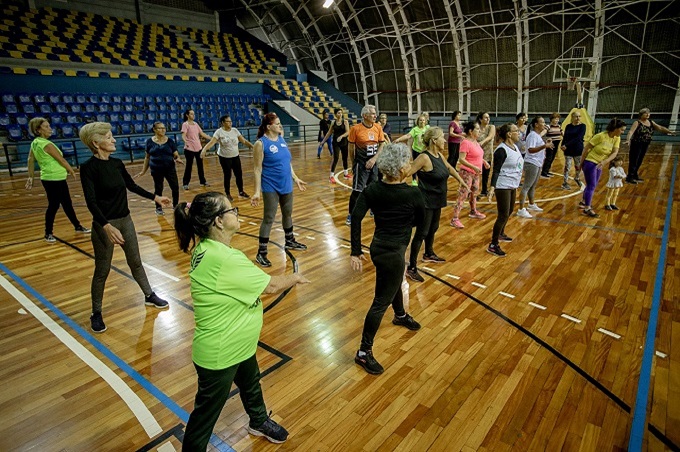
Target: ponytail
{"points": [[195, 219], [183, 227]]}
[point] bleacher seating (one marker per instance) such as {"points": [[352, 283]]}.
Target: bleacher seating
{"points": [[309, 97]]}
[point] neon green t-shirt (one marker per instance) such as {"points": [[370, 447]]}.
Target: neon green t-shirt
{"points": [[417, 135], [226, 288], [603, 145], [50, 169]]}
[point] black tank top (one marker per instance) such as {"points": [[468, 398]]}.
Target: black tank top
{"points": [[432, 184], [337, 131]]}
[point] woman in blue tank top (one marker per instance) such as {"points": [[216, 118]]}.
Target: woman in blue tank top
{"points": [[274, 177]]}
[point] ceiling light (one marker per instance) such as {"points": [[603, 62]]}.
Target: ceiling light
{"points": [[327, 3]]}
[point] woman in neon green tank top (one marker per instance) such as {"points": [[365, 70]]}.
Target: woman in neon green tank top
{"points": [[53, 171]]}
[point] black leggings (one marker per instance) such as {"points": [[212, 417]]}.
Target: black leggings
{"points": [[228, 165], [426, 231], [637, 154], [454, 152], [550, 155], [505, 202], [190, 156], [389, 274], [213, 391], [343, 150], [170, 175], [483, 190], [58, 195]]}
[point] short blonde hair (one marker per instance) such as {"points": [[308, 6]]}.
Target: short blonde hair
{"points": [[91, 133], [432, 134], [35, 124]]}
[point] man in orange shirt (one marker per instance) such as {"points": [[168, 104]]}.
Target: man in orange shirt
{"points": [[366, 140]]}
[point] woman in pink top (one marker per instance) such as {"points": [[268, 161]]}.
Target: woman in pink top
{"points": [[471, 164], [191, 133], [455, 138]]}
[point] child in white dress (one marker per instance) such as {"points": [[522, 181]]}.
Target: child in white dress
{"points": [[616, 177]]}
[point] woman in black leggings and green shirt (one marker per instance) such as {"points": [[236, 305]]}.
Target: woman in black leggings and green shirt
{"points": [[397, 207], [105, 183]]}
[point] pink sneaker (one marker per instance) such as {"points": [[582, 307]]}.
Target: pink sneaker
{"points": [[348, 176], [477, 214], [331, 179], [457, 224]]}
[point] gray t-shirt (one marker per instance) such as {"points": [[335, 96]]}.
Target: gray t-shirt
{"points": [[227, 142]]}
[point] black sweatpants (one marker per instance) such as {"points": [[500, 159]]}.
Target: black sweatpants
{"points": [[388, 259], [637, 155], [169, 174], [188, 165], [213, 391], [484, 189], [58, 195], [549, 159], [426, 232], [228, 165], [336, 155], [505, 202], [454, 153]]}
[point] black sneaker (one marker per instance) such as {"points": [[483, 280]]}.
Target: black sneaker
{"points": [[639, 180], [295, 245], [495, 250], [433, 258], [581, 205], [591, 213], [205, 184], [82, 229], [49, 238], [613, 207], [97, 322], [262, 260], [631, 181], [160, 212], [270, 430], [186, 186], [243, 195], [369, 363], [504, 238], [608, 207], [414, 275], [407, 321], [156, 301]]}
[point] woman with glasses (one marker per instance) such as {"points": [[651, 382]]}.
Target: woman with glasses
{"points": [[225, 288], [161, 157], [274, 177]]}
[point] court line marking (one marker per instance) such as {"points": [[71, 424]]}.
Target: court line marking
{"points": [[505, 294], [428, 269], [252, 223], [568, 317], [476, 284], [122, 365], [167, 447], [160, 272], [132, 400], [661, 354], [637, 430], [537, 306], [310, 237], [449, 275], [609, 333]]}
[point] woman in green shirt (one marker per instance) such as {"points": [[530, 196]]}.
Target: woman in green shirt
{"points": [[416, 134], [226, 288], [53, 171]]}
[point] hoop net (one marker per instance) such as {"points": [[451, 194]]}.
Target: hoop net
{"points": [[571, 83]]}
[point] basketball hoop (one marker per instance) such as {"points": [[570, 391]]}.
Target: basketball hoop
{"points": [[571, 83]]}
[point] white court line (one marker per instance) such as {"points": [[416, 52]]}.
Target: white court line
{"points": [[537, 306], [660, 354], [254, 224], [240, 221], [449, 275], [476, 284], [345, 246], [160, 272], [428, 269], [279, 229], [295, 233], [337, 180], [167, 447], [609, 333], [505, 294], [131, 399], [568, 317]]}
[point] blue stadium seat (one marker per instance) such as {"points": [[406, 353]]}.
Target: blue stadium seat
{"points": [[162, 116], [60, 108], [4, 120], [151, 116], [72, 118], [105, 99], [125, 128], [149, 126], [68, 131], [103, 108], [117, 108], [140, 143], [67, 99], [139, 116], [114, 117], [76, 108], [138, 126], [68, 149], [90, 108], [39, 98], [101, 117], [127, 117], [148, 99], [93, 98], [173, 126], [117, 99], [56, 120], [81, 98], [25, 98], [173, 116], [128, 107], [151, 107], [8, 98], [128, 99], [54, 98], [11, 109], [29, 109], [45, 109], [21, 119], [15, 132]]}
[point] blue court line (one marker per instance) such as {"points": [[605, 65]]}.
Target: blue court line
{"points": [[637, 429], [125, 367]]}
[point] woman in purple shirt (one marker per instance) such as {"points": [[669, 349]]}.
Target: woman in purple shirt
{"points": [[455, 138]]}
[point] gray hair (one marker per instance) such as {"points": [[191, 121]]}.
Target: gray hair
{"points": [[367, 109], [643, 111], [392, 158], [91, 133]]}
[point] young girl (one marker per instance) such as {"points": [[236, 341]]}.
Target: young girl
{"points": [[616, 177]]}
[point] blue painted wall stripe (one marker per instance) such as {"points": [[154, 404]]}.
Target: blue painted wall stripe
{"points": [[125, 367], [637, 430]]}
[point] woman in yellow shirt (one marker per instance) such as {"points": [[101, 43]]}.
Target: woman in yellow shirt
{"points": [[598, 152], [53, 171]]}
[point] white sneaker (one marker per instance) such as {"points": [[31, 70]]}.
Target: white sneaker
{"points": [[534, 207], [523, 213]]}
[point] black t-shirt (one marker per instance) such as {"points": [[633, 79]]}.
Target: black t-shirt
{"points": [[397, 208], [105, 184], [324, 125]]}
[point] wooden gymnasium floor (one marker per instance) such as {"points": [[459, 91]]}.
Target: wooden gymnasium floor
{"points": [[486, 371]]}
